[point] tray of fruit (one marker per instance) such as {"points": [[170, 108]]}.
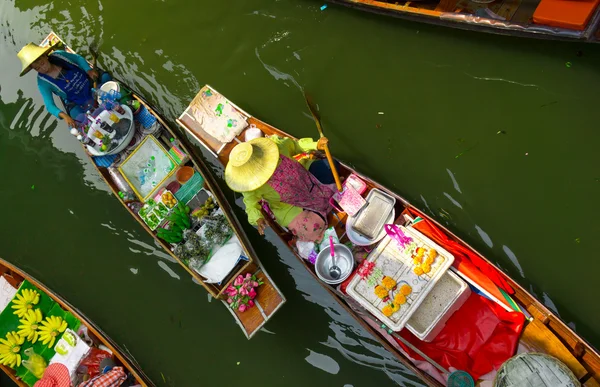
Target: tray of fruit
{"points": [[168, 199], [397, 276]]}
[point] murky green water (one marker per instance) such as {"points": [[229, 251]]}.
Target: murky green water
{"points": [[495, 136]]}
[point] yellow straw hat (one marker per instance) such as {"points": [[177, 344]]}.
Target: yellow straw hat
{"points": [[251, 164], [30, 53]]}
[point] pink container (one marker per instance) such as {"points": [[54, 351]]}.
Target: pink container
{"points": [[357, 183]]}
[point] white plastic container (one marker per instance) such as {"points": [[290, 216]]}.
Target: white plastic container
{"points": [[445, 298], [396, 262]]}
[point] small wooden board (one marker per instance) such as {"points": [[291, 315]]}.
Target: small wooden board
{"points": [[542, 339], [268, 300]]}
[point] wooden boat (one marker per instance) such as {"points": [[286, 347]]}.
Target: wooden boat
{"points": [[544, 331], [543, 19], [13, 277], [269, 298]]}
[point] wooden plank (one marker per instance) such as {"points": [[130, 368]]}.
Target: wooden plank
{"points": [[267, 296], [251, 319], [591, 382], [592, 363], [537, 314], [542, 339]]}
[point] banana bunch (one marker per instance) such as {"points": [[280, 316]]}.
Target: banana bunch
{"points": [[51, 327], [25, 301], [10, 348], [31, 322]]}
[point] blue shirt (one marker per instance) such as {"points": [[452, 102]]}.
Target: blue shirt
{"points": [[77, 89]]}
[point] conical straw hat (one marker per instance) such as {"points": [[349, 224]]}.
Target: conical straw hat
{"points": [[251, 164], [29, 54]]}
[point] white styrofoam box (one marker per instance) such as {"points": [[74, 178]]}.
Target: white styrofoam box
{"points": [[446, 297]]}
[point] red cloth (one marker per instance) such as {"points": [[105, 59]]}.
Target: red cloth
{"points": [[478, 338], [56, 375], [113, 378], [463, 256]]}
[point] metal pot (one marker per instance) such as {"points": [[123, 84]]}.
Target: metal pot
{"points": [[343, 259]]}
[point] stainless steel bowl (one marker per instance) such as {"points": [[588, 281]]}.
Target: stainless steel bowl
{"points": [[343, 259]]}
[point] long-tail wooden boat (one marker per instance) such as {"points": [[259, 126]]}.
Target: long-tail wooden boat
{"points": [[269, 298], [13, 279], [543, 19], [543, 332]]}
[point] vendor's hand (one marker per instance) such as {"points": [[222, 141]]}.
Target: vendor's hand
{"points": [[68, 119], [262, 225], [323, 141], [93, 74]]}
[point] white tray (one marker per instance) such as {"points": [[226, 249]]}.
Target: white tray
{"points": [[398, 264]]}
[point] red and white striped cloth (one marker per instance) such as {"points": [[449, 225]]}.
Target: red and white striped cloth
{"points": [[113, 378]]}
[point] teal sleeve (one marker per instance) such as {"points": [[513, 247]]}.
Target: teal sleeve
{"points": [[48, 96]]}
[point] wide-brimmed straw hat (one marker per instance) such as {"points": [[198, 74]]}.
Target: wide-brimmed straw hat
{"points": [[56, 375], [251, 164], [29, 54]]}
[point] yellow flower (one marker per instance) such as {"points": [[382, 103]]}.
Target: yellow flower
{"points": [[428, 260], [426, 268], [388, 282], [381, 292], [25, 301], [405, 289], [395, 307], [432, 253], [400, 299], [417, 261], [420, 251], [387, 311], [418, 271]]}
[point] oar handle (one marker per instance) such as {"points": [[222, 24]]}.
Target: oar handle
{"points": [[336, 176]]}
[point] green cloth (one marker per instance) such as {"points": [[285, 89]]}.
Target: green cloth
{"points": [[284, 213], [9, 322]]}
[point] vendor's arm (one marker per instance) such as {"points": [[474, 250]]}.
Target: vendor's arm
{"points": [[252, 202], [48, 96], [289, 147]]}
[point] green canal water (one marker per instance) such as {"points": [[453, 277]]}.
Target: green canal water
{"points": [[496, 137]]}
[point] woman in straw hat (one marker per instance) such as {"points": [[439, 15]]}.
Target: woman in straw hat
{"points": [[64, 74], [266, 170]]}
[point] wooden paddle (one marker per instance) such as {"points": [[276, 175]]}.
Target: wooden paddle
{"points": [[315, 114], [93, 48]]}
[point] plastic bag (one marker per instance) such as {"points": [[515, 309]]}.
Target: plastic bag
{"points": [[36, 364], [93, 359]]}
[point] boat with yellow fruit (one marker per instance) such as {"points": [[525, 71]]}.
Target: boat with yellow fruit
{"points": [[439, 306], [40, 331], [175, 198]]}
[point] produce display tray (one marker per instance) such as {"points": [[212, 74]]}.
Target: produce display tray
{"points": [[155, 211], [392, 260]]}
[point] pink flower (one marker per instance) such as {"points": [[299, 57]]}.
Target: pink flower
{"points": [[248, 276], [230, 300], [250, 304], [244, 291], [252, 294], [239, 280], [254, 284], [242, 308], [231, 291]]}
